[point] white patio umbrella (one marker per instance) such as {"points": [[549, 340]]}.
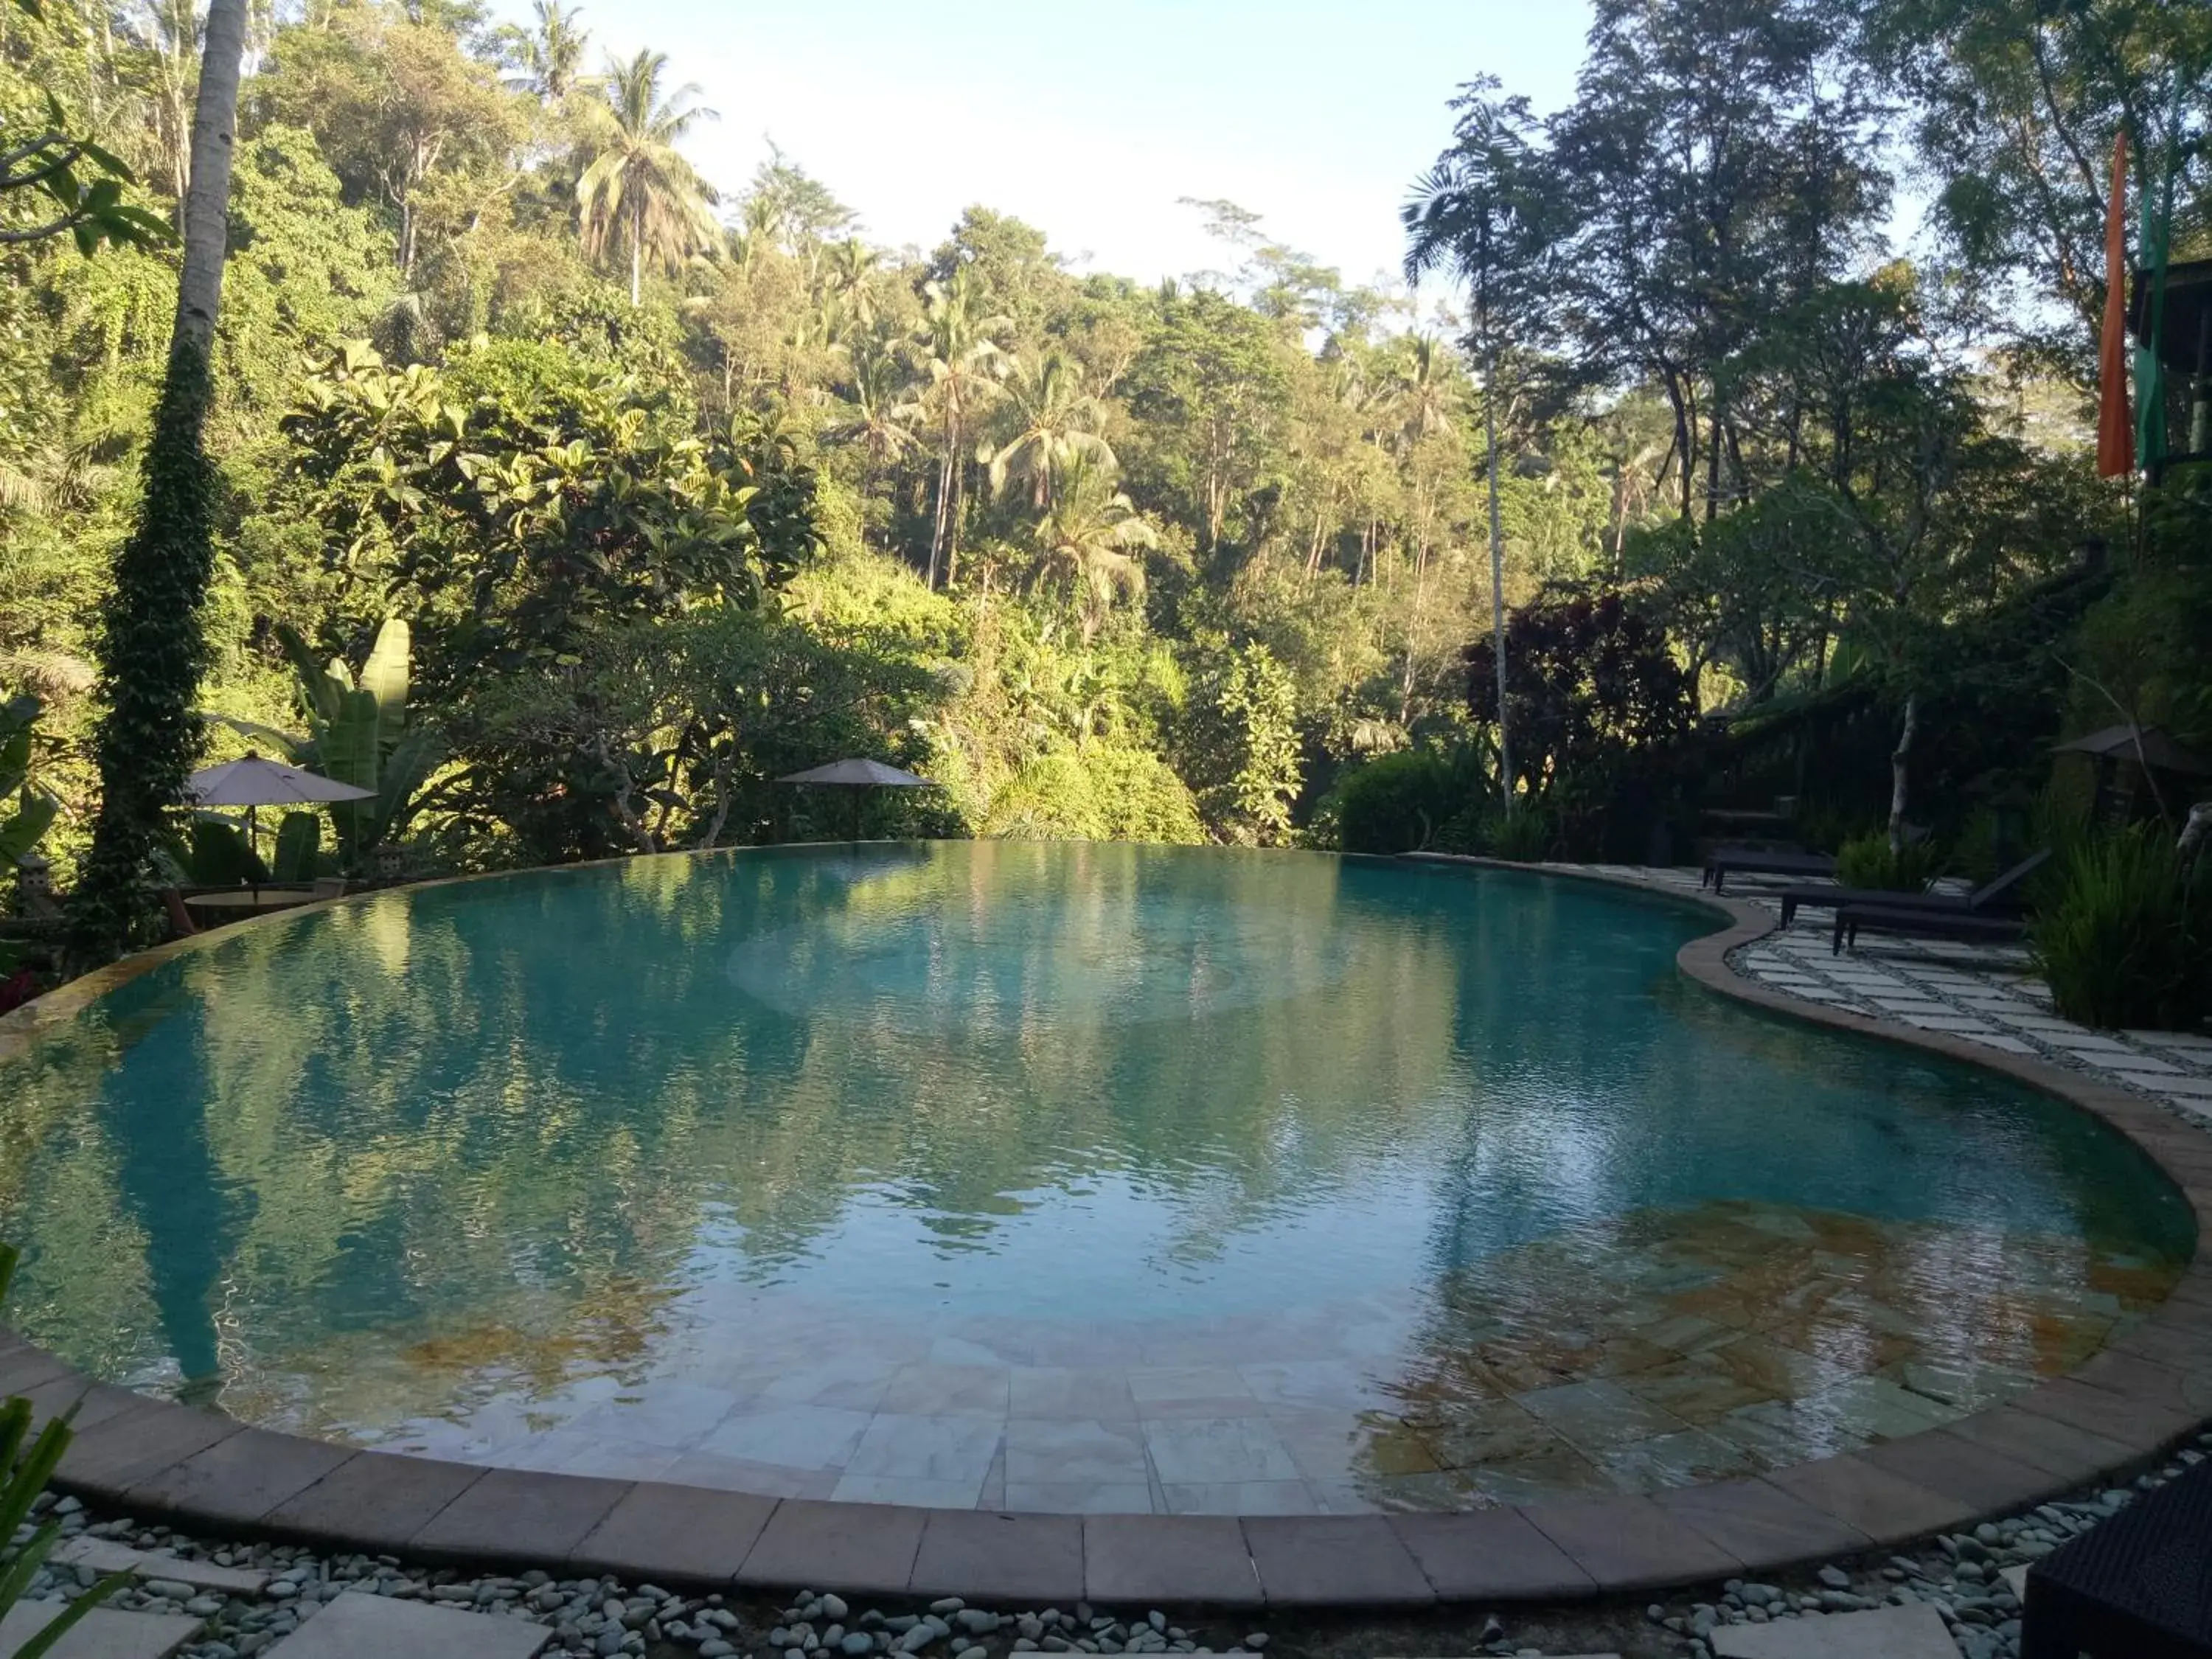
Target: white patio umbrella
{"points": [[858, 774], [254, 781]]}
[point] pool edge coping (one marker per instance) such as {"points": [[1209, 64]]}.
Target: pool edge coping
{"points": [[2123, 1408]]}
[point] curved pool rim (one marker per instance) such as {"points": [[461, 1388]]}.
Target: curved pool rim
{"points": [[2124, 1407]]}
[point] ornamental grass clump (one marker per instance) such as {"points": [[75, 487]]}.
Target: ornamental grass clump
{"points": [[1521, 836], [2123, 945]]}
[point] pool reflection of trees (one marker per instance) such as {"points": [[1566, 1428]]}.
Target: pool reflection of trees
{"points": [[280, 1129], [278, 1155]]}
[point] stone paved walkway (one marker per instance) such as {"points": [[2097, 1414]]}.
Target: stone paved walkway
{"points": [[1985, 995]]}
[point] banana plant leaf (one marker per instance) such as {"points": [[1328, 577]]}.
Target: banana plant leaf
{"points": [[349, 754], [294, 749], [323, 689], [219, 855], [384, 677], [398, 789], [15, 745], [19, 831], [298, 847]]}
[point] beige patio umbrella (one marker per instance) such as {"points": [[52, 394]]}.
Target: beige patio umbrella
{"points": [[856, 775], [254, 781]]}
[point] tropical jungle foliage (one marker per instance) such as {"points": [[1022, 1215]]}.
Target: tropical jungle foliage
{"points": [[672, 485]]}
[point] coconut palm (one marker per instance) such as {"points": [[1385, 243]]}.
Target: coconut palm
{"points": [[1428, 397], [962, 365], [1088, 540], [639, 191], [850, 267], [882, 419], [1055, 421], [552, 51]]}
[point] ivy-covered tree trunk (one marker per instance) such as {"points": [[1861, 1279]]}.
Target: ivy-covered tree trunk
{"points": [[1901, 772], [152, 647]]}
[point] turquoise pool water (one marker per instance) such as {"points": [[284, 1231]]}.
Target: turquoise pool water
{"points": [[869, 1172]]}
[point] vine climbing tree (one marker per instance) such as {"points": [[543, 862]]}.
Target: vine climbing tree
{"points": [[152, 647]]}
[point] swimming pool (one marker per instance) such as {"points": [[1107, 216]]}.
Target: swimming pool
{"points": [[1052, 1177]]}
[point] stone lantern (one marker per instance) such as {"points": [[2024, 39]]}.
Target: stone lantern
{"points": [[34, 886]]}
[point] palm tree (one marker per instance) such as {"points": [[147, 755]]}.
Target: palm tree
{"points": [[1477, 215], [1427, 396], [1055, 425], [1088, 540], [963, 365], [639, 191], [881, 417], [553, 51]]}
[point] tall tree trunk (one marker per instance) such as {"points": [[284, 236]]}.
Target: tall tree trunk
{"points": [[152, 647], [937, 528], [952, 520], [1713, 465], [1901, 772], [1496, 578], [637, 253]]}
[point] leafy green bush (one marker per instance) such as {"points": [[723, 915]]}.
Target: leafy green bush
{"points": [[2125, 943], [1396, 803], [1868, 861], [1103, 791]]}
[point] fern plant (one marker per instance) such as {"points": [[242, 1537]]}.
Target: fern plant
{"points": [[27, 1462]]}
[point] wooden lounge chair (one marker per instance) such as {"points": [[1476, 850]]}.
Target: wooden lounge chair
{"points": [[1993, 897], [1751, 862], [1921, 922]]}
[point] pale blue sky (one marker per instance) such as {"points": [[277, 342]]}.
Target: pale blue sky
{"points": [[1091, 120]]}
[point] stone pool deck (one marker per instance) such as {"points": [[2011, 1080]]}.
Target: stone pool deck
{"points": [[2121, 1409]]}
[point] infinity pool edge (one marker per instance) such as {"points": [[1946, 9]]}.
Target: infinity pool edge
{"points": [[2123, 1408]]}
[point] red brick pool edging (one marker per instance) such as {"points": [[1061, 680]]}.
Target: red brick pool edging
{"points": [[196, 1470]]}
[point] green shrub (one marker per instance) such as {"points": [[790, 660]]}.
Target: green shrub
{"points": [[1104, 791], [1867, 862], [1466, 830], [2125, 943], [1522, 837], [1397, 803]]}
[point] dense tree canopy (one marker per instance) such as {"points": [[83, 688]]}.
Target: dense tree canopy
{"points": [[682, 481]]}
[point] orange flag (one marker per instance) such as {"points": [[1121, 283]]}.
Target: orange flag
{"points": [[2116, 431]]}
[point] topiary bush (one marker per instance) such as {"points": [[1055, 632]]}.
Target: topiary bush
{"points": [[2125, 943]]}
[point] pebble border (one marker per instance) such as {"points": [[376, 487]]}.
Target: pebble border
{"points": [[2146, 1392]]}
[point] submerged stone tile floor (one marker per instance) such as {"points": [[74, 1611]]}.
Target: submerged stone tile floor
{"points": [[1732, 1353], [1748, 1337]]}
